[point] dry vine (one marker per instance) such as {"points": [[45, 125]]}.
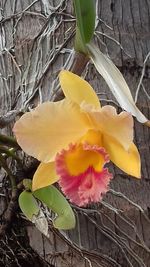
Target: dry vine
{"points": [[106, 218]]}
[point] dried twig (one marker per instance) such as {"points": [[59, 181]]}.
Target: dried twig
{"points": [[142, 76], [9, 141], [12, 206], [6, 119]]}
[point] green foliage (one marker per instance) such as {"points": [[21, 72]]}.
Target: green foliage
{"points": [[28, 205], [85, 16], [32, 211], [54, 200]]}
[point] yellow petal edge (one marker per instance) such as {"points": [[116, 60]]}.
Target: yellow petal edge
{"points": [[45, 175], [49, 128], [128, 161], [77, 90]]}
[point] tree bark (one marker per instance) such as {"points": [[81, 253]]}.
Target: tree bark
{"points": [[36, 40]]}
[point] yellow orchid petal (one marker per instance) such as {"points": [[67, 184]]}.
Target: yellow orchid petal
{"points": [[49, 128], [77, 89], [128, 161], [92, 137], [118, 126], [45, 175]]}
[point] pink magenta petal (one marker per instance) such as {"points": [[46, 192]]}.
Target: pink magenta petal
{"points": [[88, 186]]}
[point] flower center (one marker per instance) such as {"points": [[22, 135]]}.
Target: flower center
{"points": [[86, 153], [83, 177], [82, 156]]}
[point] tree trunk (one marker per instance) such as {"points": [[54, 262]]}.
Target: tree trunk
{"points": [[36, 40]]}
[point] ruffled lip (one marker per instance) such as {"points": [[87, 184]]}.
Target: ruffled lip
{"points": [[88, 186]]}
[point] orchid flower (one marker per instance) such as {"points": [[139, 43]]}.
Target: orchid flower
{"points": [[75, 138]]}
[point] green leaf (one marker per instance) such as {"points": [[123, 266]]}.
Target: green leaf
{"points": [[85, 20], [31, 210], [28, 205], [53, 198]]}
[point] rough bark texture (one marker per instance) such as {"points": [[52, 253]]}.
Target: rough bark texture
{"points": [[36, 39]]}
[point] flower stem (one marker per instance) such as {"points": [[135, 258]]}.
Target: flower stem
{"points": [[147, 123], [13, 204], [10, 152], [9, 141], [4, 165]]}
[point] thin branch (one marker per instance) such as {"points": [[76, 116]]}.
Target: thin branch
{"points": [[18, 14], [6, 168], [9, 141], [119, 242], [82, 252], [101, 213], [119, 194], [9, 117], [141, 78], [11, 153], [12, 206], [146, 93], [114, 40]]}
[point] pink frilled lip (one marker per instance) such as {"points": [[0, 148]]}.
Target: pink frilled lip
{"points": [[86, 187]]}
